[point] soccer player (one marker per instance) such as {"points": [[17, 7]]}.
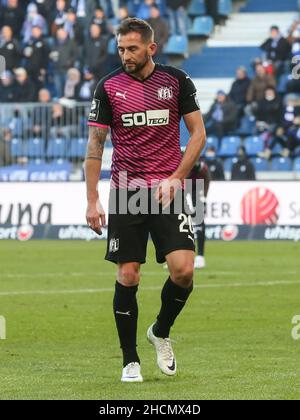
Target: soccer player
{"points": [[142, 102], [200, 172]]}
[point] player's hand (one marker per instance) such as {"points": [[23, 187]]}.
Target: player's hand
{"points": [[166, 191], [95, 217]]}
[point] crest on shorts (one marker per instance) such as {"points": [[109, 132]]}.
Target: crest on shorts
{"points": [[114, 245], [165, 93]]}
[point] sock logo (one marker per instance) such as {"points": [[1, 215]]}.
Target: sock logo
{"points": [[123, 313]]}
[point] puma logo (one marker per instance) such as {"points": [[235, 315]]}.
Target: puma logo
{"points": [[123, 313], [121, 95]]}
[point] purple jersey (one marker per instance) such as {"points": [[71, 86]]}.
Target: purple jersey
{"points": [[144, 117]]}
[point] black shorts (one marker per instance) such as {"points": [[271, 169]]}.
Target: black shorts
{"points": [[128, 234]]}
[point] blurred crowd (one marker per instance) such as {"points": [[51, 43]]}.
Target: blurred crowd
{"points": [[268, 102]]}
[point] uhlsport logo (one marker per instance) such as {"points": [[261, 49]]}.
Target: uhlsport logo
{"points": [[25, 232], [229, 233], [260, 206]]}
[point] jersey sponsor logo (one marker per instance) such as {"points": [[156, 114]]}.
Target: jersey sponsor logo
{"points": [[146, 118], [165, 93], [95, 108]]}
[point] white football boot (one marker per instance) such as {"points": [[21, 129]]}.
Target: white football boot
{"points": [[132, 373], [165, 356], [199, 262]]}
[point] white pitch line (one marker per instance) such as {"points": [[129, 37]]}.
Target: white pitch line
{"points": [[110, 289]]}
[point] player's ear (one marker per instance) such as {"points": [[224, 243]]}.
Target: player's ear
{"points": [[152, 49]]}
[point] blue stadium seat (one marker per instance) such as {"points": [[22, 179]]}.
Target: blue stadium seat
{"points": [[211, 142], [254, 145], [260, 165], [276, 150], [77, 148], [282, 83], [57, 148], [281, 164], [36, 162], [197, 8], [297, 164], [112, 46], [177, 45], [36, 148], [202, 26], [184, 134], [228, 163], [17, 148], [225, 7], [229, 146], [247, 126]]}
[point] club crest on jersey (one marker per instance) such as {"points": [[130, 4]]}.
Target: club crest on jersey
{"points": [[165, 93]]}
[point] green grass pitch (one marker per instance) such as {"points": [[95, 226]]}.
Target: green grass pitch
{"points": [[233, 341]]}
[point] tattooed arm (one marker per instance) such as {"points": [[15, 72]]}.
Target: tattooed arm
{"points": [[95, 215]]}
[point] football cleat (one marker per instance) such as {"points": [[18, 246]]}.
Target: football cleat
{"points": [[165, 356], [199, 262], [132, 373]]}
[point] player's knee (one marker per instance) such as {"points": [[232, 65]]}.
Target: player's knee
{"points": [[129, 275], [184, 276]]}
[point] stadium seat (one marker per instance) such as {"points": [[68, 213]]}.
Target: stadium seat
{"points": [[276, 150], [225, 7], [281, 164], [282, 83], [202, 26], [229, 146], [17, 148], [260, 165], [177, 45], [57, 148], [228, 163], [211, 142], [77, 149], [36, 148], [297, 164], [254, 145], [197, 8], [112, 46], [36, 162], [247, 126]]}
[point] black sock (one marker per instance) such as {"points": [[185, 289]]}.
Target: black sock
{"points": [[201, 239], [173, 299], [126, 316]]}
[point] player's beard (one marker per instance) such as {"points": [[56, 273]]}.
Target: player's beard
{"points": [[136, 67]]}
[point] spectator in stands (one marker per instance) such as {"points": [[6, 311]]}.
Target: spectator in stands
{"points": [[72, 84], [61, 121], [95, 56], [294, 137], [33, 18], [243, 169], [87, 87], [161, 32], [26, 90], [108, 8], [259, 84], [12, 15], [222, 116], [5, 155], [278, 138], [42, 115], [123, 13], [84, 10], [36, 53], [73, 29], [239, 89], [100, 19], [59, 16], [214, 164], [277, 49], [290, 110], [177, 13], [7, 88], [9, 48], [269, 109], [63, 56]]}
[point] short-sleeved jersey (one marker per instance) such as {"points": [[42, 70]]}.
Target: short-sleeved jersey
{"points": [[144, 117]]}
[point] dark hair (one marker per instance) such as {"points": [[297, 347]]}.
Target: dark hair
{"points": [[275, 28], [136, 25]]}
